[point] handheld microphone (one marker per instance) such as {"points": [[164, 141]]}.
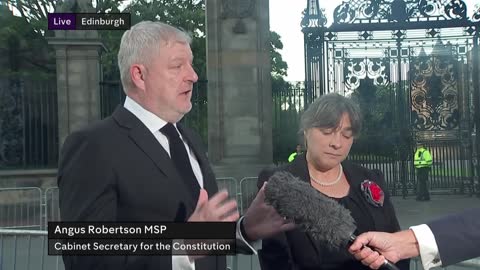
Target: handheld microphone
{"points": [[322, 217]]}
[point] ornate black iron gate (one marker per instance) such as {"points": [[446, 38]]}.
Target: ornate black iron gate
{"points": [[413, 66]]}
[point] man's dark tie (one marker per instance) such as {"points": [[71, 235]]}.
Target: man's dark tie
{"points": [[179, 156]]}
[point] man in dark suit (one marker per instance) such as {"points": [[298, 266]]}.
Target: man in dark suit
{"points": [[442, 242], [140, 164]]}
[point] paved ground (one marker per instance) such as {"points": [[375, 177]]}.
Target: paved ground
{"points": [[412, 212]]}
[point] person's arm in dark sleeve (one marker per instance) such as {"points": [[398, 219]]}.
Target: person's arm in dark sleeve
{"points": [[275, 254], [457, 236]]}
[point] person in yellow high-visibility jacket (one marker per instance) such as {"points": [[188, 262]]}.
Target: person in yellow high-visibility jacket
{"points": [[296, 153], [423, 163]]}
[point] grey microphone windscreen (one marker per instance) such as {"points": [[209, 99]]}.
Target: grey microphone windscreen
{"points": [[313, 212], [322, 217]]}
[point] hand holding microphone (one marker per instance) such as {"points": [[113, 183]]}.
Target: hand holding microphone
{"points": [[313, 212], [392, 246]]}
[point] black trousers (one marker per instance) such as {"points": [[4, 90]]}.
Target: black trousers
{"points": [[422, 178]]}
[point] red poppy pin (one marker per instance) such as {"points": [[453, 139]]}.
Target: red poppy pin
{"points": [[373, 193]]}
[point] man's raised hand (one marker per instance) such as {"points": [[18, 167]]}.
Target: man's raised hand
{"points": [[218, 208]]}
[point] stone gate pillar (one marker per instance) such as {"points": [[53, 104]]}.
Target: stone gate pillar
{"points": [[239, 88], [78, 73]]}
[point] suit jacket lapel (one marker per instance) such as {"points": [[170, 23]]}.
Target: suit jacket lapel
{"points": [[145, 140]]}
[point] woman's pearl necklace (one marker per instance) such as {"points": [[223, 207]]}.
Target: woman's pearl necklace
{"points": [[327, 184]]}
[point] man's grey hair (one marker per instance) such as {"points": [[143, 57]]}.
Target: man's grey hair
{"points": [[327, 111], [142, 43]]}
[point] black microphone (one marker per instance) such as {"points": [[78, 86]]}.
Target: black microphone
{"points": [[324, 218]]}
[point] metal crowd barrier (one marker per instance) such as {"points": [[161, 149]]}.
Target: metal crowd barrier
{"points": [[26, 250], [51, 206], [248, 191], [21, 208], [230, 184], [30, 208]]}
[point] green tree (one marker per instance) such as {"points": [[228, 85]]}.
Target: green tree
{"points": [[286, 103], [25, 52], [279, 66]]}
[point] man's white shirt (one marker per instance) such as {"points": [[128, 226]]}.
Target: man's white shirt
{"points": [[427, 245], [154, 124]]}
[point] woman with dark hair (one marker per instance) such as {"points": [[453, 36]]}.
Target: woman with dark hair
{"points": [[329, 126]]}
